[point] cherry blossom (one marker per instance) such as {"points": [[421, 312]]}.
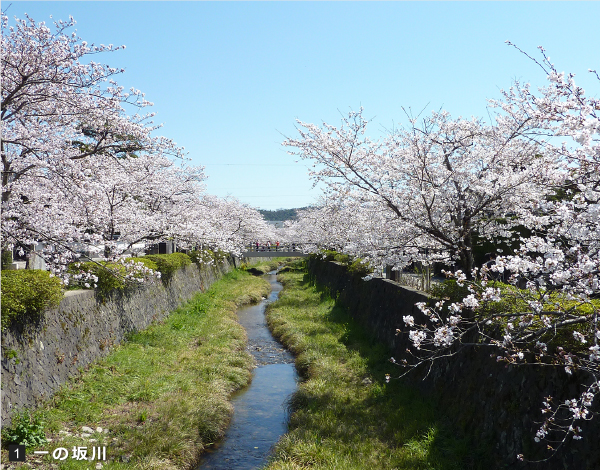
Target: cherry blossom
{"points": [[437, 183], [83, 175], [530, 179]]}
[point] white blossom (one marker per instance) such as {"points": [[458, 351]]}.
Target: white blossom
{"points": [[417, 337]]}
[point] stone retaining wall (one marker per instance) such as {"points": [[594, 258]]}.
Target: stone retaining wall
{"points": [[37, 359], [486, 400]]}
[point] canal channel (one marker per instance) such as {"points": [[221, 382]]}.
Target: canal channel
{"points": [[260, 410]]}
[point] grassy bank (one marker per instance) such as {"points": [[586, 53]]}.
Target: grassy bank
{"points": [[162, 395], [345, 414]]}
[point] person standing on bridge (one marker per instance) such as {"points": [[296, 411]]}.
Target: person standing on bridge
{"points": [[257, 244], [269, 245], [277, 246]]}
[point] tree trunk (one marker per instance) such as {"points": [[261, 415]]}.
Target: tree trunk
{"points": [[466, 256]]}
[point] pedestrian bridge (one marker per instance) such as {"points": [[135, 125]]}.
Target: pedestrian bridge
{"points": [[273, 252]]}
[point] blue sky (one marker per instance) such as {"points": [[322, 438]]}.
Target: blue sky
{"points": [[229, 79]]}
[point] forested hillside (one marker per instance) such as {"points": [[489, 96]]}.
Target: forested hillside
{"points": [[280, 214]]}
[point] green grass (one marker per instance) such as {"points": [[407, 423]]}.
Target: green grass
{"points": [[164, 393], [345, 415]]}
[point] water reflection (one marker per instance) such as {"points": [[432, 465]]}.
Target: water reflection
{"points": [[260, 418]]}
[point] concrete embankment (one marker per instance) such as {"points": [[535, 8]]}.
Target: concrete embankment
{"points": [[487, 400]]}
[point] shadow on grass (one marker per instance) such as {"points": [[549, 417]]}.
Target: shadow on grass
{"points": [[255, 271]]}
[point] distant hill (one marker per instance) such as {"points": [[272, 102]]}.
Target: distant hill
{"points": [[280, 214]]}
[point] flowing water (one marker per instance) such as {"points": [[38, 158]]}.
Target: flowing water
{"points": [[260, 413]]}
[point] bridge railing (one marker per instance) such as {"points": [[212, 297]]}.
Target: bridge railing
{"points": [[283, 247]]}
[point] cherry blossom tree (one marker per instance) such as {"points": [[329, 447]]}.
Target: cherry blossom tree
{"points": [[363, 229], [536, 167], [228, 225], [548, 313], [565, 256], [80, 174], [444, 180], [59, 108], [321, 227]]}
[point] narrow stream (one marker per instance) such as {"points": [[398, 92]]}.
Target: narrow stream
{"points": [[260, 413]]}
